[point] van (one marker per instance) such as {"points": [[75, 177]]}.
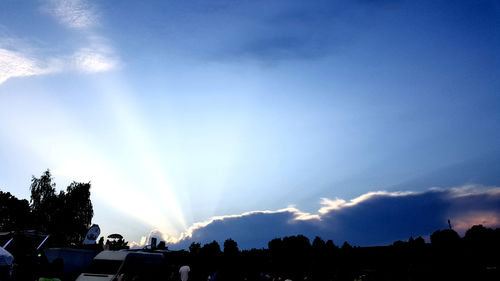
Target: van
{"points": [[108, 265]]}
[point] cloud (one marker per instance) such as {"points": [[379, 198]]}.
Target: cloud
{"points": [[374, 218], [487, 218], [95, 55], [337, 204], [293, 213], [146, 240], [16, 64], [88, 60], [77, 14], [138, 245], [93, 60]]}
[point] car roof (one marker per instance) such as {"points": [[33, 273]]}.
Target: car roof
{"points": [[111, 255], [121, 255]]}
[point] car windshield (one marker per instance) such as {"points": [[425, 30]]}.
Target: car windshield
{"points": [[104, 266]]}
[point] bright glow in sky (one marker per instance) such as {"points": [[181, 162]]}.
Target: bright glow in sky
{"points": [[178, 112]]}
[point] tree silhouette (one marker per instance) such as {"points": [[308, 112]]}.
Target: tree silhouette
{"points": [[117, 244], [211, 249], [275, 245], [318, 244], [194, 248], [42, 190], [445, 238], [419, 241], [346, 246], [67, 215], [299, 243], [330, 246], [14, 213], [77, 211], [479, 236], [44, 201], [230, 247]]}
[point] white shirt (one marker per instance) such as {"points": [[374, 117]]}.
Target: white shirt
{"points": [[183, 271]]}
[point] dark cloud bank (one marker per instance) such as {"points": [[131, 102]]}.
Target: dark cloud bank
{"points": [[377, 218]]}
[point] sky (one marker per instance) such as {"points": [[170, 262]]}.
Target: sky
{"points": [[205, 120]]}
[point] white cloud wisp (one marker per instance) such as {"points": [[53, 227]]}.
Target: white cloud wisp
{"points": [[15, 64], [94, 56], [76, 14]]}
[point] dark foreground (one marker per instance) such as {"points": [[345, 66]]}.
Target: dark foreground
{"points": [[476, 256]]}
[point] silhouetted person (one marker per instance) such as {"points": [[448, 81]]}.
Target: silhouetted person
{"points": [[184, 272]]}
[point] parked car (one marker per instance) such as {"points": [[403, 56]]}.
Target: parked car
{"points": [[110, 265]]}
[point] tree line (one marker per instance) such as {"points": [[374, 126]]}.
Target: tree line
{"points": [[65, 215], [447, 257]]}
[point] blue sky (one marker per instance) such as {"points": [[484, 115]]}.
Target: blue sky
{"points": [[178, 112]]}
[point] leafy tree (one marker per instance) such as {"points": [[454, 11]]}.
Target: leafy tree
{"points": [[419, 241], [194, 248], [330, 246], [67, 215], [230, 247], [14, 213], [346, 246], [211, 254], [299, 243], [42, 189], [478, 235], [275, 245], [295, 255], [318, 244], [77, 211], [117, 244], [43, 201], [211, 249], [400, 243], [445, 238]]}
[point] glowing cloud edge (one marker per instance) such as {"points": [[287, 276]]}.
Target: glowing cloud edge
{"points": [[328, 205]]}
